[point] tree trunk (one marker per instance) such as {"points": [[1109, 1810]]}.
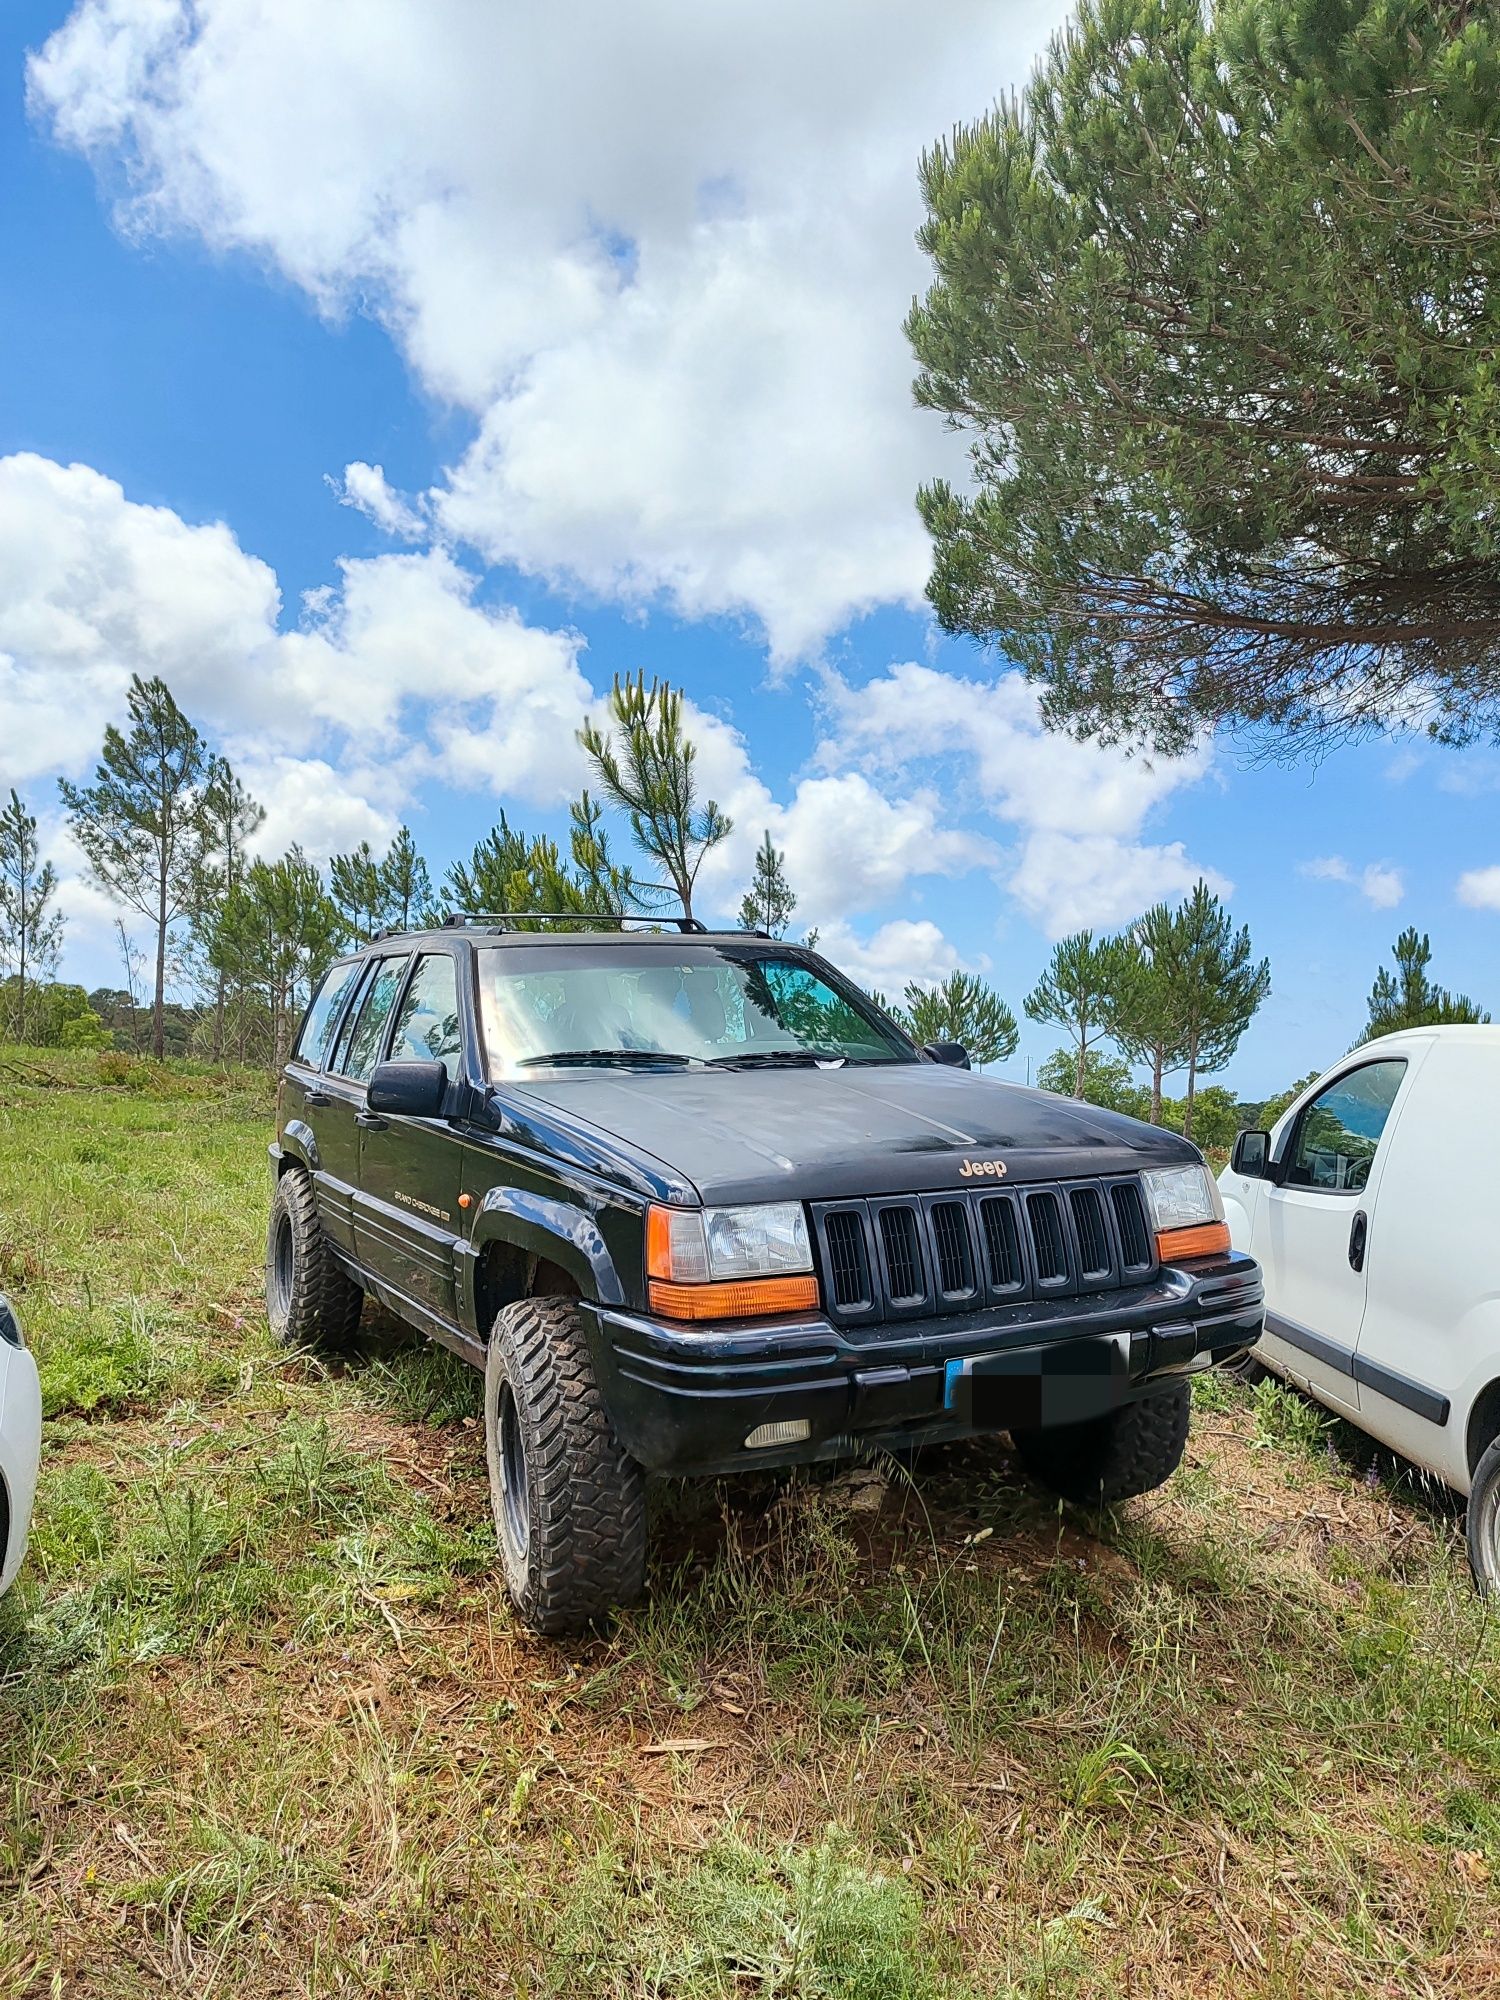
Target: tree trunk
{"points": [[1081, 1067], [21, 998], [1192, 1091], [1156, 1062], [158, 1023]]}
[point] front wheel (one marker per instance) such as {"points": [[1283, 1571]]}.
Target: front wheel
{"points": [[311, 1301], [1131, 1450], [1484, 1522], [569, 1501]]}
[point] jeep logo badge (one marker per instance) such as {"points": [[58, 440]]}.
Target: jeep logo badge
{"points": [[974, 1169]]}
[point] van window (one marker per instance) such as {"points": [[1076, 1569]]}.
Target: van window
{"points": [[1337, 1135], [364, 1047], [322, 1013], [427, 1024]]}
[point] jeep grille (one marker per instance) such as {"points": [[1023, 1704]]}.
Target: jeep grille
{"points": [[911, 1256]]}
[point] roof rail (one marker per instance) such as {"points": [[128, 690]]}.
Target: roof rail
{"points": [[455, 920]]}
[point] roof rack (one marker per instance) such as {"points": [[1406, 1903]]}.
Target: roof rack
{"points": [[456, 920]]}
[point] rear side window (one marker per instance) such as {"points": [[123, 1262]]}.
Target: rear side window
{"points": [[312, 1043], [427, 1023], [1338, 1134], [363, 1050]]}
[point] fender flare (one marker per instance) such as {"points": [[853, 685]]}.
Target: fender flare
{"points": [[299, 1144], [558, 1230]]}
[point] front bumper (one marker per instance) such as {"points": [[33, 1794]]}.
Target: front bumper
{"points": [[684, 1399], [20, 1451]]}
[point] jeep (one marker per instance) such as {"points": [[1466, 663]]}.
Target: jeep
{"points": [[694, 1203]]}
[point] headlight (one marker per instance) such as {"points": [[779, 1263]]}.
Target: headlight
{"points": [[1187, 1211], [1182, 1197], [728, 1263]]}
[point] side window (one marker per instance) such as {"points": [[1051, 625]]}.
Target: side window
{"points": [[427, 1024], [1336, 1137], [312, 1043], [363, 1049]]}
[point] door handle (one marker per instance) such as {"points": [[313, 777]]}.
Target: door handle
{"points": [[1359, 1233], [371, 1120], [317, 1100]]}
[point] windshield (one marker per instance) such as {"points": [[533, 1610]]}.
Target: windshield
{"points": [[635, 1004]]}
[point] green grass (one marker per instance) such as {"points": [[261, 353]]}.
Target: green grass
{"points": [[267, 1726]]}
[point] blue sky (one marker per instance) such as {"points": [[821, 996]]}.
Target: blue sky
{"points": [[617, 315]]}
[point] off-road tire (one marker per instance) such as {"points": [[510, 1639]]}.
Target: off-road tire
{"points": [[1483, 1526], [311, 1301], [577, 1547], [1132, 1450]]}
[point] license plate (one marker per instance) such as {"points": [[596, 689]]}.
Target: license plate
{"points": [[1024, 1388]]}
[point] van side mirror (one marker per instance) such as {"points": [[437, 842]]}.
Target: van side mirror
{"points": [[1251, 1155], [954, 1054], [409, 1089]]}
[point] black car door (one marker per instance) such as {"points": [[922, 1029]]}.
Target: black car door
{"points": [[355, 1054], [410, 1169]]}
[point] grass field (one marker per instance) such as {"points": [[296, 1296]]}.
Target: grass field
{"points": [[267, 1727]]}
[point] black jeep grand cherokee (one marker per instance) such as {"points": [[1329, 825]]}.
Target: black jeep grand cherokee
{"points": [[692, 1202]]}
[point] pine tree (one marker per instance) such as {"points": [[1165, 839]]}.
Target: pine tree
{"points": [[278, 930], [1214, 302], [1217, 988], [1142, 1013], [644, 762], [404, 886], [1407, 998], [140, 824], [231, 819], [359, 893], [1074, 993], [962, 1008], [769, 901], [30, 932]]}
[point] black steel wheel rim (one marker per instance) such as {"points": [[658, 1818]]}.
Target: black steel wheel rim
{"points": [[283, 1262], [515, 1504]]}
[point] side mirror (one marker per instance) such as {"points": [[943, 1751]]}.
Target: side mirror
{"points": [[954, 1054], [409, 1089], [1251, 1155]]}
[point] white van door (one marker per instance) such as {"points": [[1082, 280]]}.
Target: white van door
{"points": [[1312, 1227]]}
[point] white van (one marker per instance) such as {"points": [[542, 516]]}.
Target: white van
{"points": [[1372, 1210]]}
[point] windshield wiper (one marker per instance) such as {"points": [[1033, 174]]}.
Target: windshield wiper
{"points": [[606, 1056], [766, 1058]]}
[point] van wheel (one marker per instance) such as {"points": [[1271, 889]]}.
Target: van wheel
{"points": [[1132, 1450], [1484, 1522], [569, 1501], [311, 1301]]}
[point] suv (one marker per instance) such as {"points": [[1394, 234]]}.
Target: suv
{"points": [[694, 1204]]}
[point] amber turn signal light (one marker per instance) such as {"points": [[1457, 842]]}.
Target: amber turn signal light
{"points": [[1205, 1239], [743, 1298]]}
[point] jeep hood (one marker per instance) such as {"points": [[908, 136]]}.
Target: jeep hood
{"points": [[825, 1134]]}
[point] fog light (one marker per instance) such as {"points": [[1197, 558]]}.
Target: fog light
{"points": [[795, 1430]]}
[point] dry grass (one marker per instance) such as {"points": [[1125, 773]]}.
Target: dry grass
{"points": [[267, 1727]]}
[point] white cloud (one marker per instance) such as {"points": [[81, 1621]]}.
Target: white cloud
{"points": [[1077, 809], [1070, 882], [661, 253], [395, 678], [93, 587], [1480, 888], [1381, 885], [891, 957], [366, 488]]}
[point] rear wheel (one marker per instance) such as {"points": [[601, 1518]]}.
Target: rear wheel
{"points": [[311, 1301], [1484, 1522], [569, 1501], [1132, 1450]]}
